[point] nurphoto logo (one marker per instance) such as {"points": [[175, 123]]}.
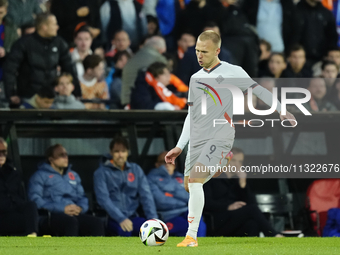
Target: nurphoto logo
{"points": [[238, 103]]}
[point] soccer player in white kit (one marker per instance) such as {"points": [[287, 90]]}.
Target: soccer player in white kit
{"points": [[210, 145]]}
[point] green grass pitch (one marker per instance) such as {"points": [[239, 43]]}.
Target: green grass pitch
{"points": [[132, 245]]}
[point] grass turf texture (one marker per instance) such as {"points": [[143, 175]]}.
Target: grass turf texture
{"points": [[132, 245]]}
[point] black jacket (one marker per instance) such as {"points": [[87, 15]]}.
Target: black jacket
{"points": [[305, 72], [318, 33], [32, 64], [290, 20], [66, 14], [193, 18], [11, 189], [234, 22], [221, 192]]}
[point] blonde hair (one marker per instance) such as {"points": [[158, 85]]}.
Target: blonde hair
{"points": [[3, 141], [211, 35]]}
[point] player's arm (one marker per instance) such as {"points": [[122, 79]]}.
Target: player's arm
{"points": [[183, 139], [267, 98], [182, 142], [261, 93]]}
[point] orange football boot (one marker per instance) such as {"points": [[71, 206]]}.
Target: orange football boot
{"points": [[188, 242]]}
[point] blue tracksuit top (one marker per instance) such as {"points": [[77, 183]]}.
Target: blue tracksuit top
{"points": [[119, 192], [167, 190], [332, 227], [52, 191]]}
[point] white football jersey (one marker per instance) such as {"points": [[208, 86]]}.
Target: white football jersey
{"points": [[219, 101]]}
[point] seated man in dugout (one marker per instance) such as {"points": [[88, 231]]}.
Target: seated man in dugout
{"points": [[57, 188], [120, 187], [17, 216], [233, 206]]}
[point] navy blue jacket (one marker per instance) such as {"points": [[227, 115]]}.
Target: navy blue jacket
{"points": [[120, 192], [168, 191], [332, 227], [53, 191], [318, 30], [143, 96]]}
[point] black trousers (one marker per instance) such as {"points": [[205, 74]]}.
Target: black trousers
{"points": [[246, 221], [61, 224], [23, 220]]}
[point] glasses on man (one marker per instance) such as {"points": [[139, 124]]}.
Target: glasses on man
{"points": [[3, 153]]}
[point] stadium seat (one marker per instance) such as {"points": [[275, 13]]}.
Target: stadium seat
{"points": [[322, 195], [276, 204]]}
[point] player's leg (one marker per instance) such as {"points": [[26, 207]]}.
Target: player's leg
{"points": [[220, 171], [211, 157], [196, 198], [195, 204], [199, 163], [188, 164]]}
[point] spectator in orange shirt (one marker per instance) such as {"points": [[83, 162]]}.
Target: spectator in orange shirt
{"points": [[92, 84], [156, 89]]}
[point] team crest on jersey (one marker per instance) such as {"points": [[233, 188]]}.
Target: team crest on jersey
{"points": [[71, 176], [219, 79]]}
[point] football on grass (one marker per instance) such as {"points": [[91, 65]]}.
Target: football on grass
{"points": [[153, 232]]}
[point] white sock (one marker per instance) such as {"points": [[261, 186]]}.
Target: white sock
{"points": [[196, 204]]}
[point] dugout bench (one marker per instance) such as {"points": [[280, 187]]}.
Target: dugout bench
{"points": [[166, 125]]}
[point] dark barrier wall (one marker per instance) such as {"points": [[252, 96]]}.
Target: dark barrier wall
{"points": [[315, 140]]}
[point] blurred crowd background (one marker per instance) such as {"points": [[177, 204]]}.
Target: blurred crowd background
{"points": [[140, 54]]}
